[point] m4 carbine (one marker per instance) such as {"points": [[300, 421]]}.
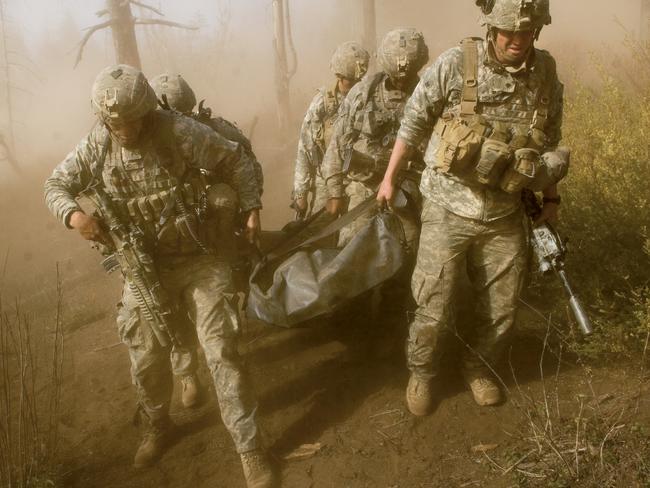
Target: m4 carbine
{"points": [[127, 252], [550, 253]]}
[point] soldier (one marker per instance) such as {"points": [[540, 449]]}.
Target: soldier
{"points": [[175, 93], [495, 107], [349, 64], [139, 157], [366, 128]]}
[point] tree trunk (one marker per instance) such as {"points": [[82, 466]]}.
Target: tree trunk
{"points": [[7, 142], [123, 28], [282, 75], [645, 21], [369, 40]]}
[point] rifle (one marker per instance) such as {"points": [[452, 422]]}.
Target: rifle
{"points": [[127, 252], [550, 253]]}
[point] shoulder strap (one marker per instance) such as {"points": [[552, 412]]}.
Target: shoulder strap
{"points": [[469, 99], [372, 86], [544, 96], [280, 252], [99, 164]]}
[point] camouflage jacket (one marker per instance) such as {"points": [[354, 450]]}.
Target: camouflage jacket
{"points": [[366, 128], [505, 96], [315, 135], [172, 145], [231, 132]]}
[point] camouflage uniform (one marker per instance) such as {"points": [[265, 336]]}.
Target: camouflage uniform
{"points": [[466, 224], [135, 178], [176, 94], [230, 131], [315, 135], [349, 63], [365, 132]]}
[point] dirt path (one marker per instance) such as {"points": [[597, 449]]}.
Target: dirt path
{"points": [[322, 386], [335, 386]]}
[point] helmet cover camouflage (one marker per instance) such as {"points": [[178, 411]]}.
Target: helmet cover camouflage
{"points": [[122, 92], [350, 60], [515, 15], [402, 53], [177, 91]]}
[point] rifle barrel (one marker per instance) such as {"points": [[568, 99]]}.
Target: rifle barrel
{"points": [[576, 307]]}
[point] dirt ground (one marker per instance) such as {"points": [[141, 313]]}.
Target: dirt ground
{"points": [[336, 390]]}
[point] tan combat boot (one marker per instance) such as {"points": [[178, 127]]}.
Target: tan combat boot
{"points": [[486, 392], [153, 442], [191, 391], [257, 469], [418, 396]]}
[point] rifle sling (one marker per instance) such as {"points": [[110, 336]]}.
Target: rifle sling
{"points": [[328, 230]]}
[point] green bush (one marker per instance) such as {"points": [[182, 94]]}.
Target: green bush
{"points": [[607, 204]]}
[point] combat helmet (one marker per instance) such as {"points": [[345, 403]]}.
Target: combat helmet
{"points": [[515, 15], [121, 92], [175, 90], [350, 60], [402, 53]]}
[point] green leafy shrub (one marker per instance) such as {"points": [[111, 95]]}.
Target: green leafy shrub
{"points": [[606, 207]]}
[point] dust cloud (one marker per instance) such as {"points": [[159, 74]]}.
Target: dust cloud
{"points": [[229, 62]]}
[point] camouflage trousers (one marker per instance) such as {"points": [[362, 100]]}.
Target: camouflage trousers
{"points": [[357, 192], [494, 256], [204, 288]]}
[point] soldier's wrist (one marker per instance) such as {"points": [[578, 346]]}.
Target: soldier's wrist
{"points": [[556, 200], [71, 217]]}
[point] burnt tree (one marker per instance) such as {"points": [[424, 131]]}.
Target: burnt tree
{"points": [[283, 47], [645, 21], [369, 40], [122, 23]]}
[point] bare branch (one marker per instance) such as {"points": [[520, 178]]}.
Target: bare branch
{"points": [[101, 13], [90, 32], [294, 57], [148, 7], [168, 23]]}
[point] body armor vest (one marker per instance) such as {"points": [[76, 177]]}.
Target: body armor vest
{"points": [[494, 137], [377, 127], [152, 184]]}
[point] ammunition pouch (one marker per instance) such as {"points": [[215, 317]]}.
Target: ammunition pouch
{"points": [[522, 172], [458, 146], [367, 164], [494, 158]]}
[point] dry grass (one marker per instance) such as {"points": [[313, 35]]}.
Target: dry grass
{"points": [[30, 390]]}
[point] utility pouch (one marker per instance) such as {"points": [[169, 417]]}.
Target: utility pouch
{"points": [[495, 156], [522, 171], [458, 146], [553, 167]]}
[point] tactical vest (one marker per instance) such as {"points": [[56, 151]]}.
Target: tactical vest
{"points": [[144, 184], [491, 140], [377, 127]]}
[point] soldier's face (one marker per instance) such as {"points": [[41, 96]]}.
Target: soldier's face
{"points": [[513, 47], [127, 133]]}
